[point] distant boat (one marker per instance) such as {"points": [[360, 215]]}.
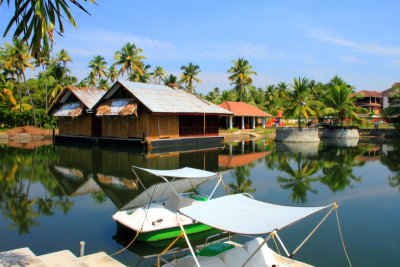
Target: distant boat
{"points": [[152, 214], [243, 215]]}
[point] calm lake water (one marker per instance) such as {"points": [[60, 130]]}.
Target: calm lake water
{"points": [[52, 197]]}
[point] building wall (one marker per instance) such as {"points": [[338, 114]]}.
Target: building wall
{"points": [[79, 126], [143, 126]]}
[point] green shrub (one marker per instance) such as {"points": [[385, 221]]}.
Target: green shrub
{"points": [[12, 119]]}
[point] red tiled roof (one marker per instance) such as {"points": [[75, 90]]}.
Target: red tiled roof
{"points": [[231, 161], [365, 93], [243, 109]]}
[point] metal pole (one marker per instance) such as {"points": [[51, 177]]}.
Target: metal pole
{"points": [[280, 241], [82, 248], [313, 231], [187, 240]]}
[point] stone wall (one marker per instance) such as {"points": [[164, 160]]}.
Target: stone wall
{"points": [[339, 133], [295, 134], [391, 133]]}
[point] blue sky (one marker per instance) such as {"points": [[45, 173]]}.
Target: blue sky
{"points": [[359, 40]]}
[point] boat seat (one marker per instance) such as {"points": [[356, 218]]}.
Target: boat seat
{"points": [[174, 202], [213, 261], [264, 256], [182, 262], [234, 257]]}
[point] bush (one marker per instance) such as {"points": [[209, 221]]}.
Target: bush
{"points": [[12, 119], [232, 130]]}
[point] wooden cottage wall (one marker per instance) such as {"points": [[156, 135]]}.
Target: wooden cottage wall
{"points": [[79, 126], [145, 125]]}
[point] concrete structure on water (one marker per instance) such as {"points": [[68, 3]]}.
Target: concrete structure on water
{"points": [[245, 116], [137, 113], [296, 134]]}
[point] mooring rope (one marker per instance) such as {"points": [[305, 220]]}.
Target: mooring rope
{"points": [[341, 238], [277, 248], [141, 228]]}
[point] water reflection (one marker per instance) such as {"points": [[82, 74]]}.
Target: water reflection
{"points": [[391, 159], [47, 181]]}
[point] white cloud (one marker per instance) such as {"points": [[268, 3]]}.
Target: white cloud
{"points": [[336, 39], [352, 59]]}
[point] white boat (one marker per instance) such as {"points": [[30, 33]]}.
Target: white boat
{"points": [[240, 214], [153, 216]]}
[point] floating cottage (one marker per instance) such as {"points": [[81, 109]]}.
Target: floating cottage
{"points": [[73, 108], [152, 115]]}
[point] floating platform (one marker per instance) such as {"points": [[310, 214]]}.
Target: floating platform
{"points": [[198, 142], [25, 257]]}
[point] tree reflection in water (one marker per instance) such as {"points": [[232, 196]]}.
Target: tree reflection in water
{"points": [[392, 160], [18, 170], [242, 182], [332, 166]]}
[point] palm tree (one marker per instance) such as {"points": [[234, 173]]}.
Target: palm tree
{"points": [[129, 59], [300, 103], [159, 74], [112, 74], [19, 57], [393, 111], [240, 77], [282, 89], [228, 95], [63, 58], [91, 80], [36, 21], [43, 59], [103, 84], [144, 76], [339, 103], [171, 81], [99, 66], [242, 185], [189, 76]]}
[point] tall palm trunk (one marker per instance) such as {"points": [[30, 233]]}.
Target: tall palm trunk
{"points": [[30, 99], [45, 85]]}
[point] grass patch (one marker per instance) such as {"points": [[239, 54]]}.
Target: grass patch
{"points": [[265, 131]]}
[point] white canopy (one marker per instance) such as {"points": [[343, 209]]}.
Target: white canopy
{"points": [[243, 215], [181, 173], [162, 190]]}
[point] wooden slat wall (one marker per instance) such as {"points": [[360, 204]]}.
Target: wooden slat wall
{"points": [[174, 126], [164, 126]]}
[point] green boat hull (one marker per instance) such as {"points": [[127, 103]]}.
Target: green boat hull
{"points": [[169, 232], [172, 232]]}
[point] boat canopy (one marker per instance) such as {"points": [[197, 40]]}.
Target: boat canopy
{"points": [[159, 191], [180, 173], [243, 215]]}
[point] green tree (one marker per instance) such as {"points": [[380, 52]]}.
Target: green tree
{"points": [[392, 112], [36, 21], [240, 76], [189, 76], [112, 74], [144, 76], [130, 59], [171, 81], [159, 74], [43, 59], [63, 57], [19, 58], [339, 103], [99, 66], [300, 103]]}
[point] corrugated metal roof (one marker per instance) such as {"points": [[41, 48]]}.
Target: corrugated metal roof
{"points": [[89, 96], [163, 99], [69, 109]]}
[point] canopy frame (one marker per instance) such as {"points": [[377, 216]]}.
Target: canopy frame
{"points": [[272, 234], [164, 178]]}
